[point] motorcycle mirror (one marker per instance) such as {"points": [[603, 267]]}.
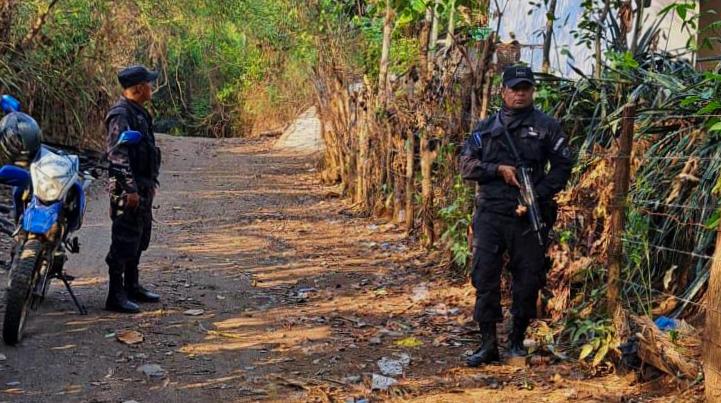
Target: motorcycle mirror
{"points": [[130, 137], [9, 104]]}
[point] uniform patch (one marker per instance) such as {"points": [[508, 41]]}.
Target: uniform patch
{"points": [[566, 152], [476, 140], [532, 132]]}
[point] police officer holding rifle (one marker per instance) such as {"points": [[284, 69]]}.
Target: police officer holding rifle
{"points": [[521, 159]]}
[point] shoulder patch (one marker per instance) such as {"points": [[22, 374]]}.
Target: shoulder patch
{"points": [[476, 139]]}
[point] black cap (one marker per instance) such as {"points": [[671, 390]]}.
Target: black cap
{"points": [[514, 75], [134, 75]]}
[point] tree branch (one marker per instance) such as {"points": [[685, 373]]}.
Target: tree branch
{"points": [[40, 21]]}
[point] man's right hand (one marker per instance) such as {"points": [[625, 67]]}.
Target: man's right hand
{"points": [[132, 200], [508, 173]]}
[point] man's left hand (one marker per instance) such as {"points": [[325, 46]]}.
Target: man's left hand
{"points": [[521, 210]]}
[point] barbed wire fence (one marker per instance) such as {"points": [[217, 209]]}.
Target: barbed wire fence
{"points": [[676, 242]]}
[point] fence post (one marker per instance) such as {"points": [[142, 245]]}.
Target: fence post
{"points": [[427, 157], [621, 180], [712, 333], [410, 180]]}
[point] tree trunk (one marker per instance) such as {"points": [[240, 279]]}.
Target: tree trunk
{"points": [[599, 32], [708, 47], [398, 184], [712, 334], [433, 41], [410, 177], [487, 93], [451, 22], [487, 79], [338, 124], [386, 150], [548, 40], [424, 42], [474, 102], [363, 161], [638, 26], [7, 18], [27, 42], [385, 53], [482, 74], [621, 181], [427, 158]]}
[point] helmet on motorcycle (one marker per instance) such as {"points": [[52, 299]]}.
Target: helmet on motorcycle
{"points": [[20, 138]]}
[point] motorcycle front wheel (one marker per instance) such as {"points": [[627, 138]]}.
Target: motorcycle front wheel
{"points": [[18, 297]]}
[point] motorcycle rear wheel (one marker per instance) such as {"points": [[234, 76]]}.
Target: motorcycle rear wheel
{"points": [[19, 295]]}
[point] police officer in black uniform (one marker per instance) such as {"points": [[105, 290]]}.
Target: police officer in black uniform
{"points": [[501, 224], [134, 170]]}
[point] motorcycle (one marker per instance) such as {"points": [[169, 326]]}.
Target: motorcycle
{"points": [[49, 203]]}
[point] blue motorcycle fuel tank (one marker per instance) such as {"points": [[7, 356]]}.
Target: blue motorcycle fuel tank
{"points": [[14, 176]]}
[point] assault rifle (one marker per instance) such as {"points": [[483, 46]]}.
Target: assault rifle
{"points": [[528, 197]]}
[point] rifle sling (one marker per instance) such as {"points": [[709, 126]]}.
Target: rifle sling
{"points": [[511, 144]]}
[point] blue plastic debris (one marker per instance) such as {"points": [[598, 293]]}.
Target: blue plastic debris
{"points": [[664, 323]]}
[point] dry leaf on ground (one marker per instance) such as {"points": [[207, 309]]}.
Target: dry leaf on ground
{"points": [[129, 337]]}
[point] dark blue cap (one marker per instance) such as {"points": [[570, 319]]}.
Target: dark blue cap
{"points": [[134, 75], [514, 75]]}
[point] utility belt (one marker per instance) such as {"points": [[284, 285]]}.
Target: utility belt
{"points": [[118, 200], [507, 208], [118, 206]]}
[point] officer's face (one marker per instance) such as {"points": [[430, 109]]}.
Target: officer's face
{"points": [[148, 91], [518, 97]]}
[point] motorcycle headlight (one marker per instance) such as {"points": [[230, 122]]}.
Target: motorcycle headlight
{"points": [[52, 174], [48, 189]]}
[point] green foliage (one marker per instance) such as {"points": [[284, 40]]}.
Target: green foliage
{"points": [[595, 339], [228, 66], [547, 96], [592, 335], [457, 218], [231, 62], [565, 237], [622, 61]]}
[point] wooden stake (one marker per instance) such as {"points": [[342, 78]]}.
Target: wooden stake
{"points": [[621, 180], [427, 157], [410, 180], [548, 40], [712, 333], [385, 54], [484, 77]]}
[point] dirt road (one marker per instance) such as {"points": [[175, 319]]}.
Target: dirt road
{"points": [[296, 300]]}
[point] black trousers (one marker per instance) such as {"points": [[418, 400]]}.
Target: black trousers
{"points": [[130, 236], [495, 235]]}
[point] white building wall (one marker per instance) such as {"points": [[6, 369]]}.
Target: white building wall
{"points": [[528, 30]]}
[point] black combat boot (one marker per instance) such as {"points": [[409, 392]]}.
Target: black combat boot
{"points": [[117, 299], [488, 352], [516, 338], [135, 291]]}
